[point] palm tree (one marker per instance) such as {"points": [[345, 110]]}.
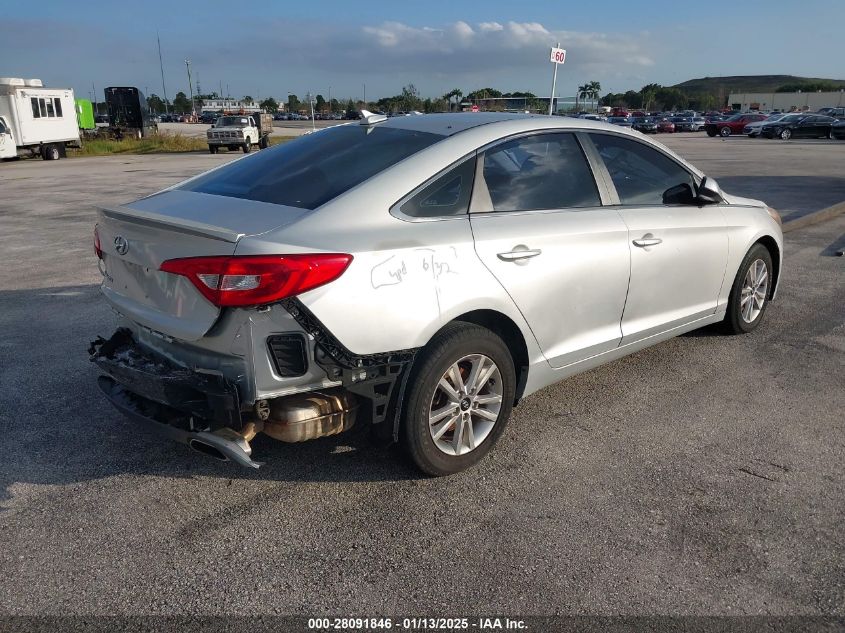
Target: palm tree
{"points": [[583, 93], [594, 87], [457, 94]]}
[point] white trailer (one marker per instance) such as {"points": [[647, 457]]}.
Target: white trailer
{"points": [[34, 118]]}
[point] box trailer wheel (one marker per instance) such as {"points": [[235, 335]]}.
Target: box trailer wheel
{"points": [[51, 151]]}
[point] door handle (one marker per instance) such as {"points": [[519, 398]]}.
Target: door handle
{"points": [[647, 240], [519, 254]]}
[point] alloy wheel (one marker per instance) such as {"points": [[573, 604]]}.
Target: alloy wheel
{"points": [[754, 291], [465, 405]]}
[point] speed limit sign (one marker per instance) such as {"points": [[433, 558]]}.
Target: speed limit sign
{"points": [[558, 55]]}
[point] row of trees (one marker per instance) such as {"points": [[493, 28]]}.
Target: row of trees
{"points": [[657, 97]]}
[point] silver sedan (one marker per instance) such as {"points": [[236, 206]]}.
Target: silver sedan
{"points": [[420, 275]]}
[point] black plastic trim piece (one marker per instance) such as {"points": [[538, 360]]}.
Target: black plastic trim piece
{"points": [[208, 401], [371, 376], [289, 354]]}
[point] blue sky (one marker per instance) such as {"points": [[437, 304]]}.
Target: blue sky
{"points": [[437, 45]]}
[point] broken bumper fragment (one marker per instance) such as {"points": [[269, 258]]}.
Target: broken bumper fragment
{"points": [[200, 410]]}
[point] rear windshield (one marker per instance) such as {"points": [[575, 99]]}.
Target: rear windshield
{"points": [[315, 168]]}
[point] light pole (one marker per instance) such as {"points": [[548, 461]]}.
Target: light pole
{"points": [[190, 87], [310, 98]]}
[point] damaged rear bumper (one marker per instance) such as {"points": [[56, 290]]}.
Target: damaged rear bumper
{"points": [[200, 410], [148, 414]]}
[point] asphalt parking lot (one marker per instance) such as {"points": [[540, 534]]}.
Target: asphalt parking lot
{"points": [[702, 476]]}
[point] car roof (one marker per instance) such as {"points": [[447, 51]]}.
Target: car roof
{"points": [[449, 124]]}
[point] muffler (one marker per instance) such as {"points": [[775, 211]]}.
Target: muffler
{"points": [[308, 416]]}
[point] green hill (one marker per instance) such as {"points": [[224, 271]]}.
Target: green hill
{"points": [[749, 83]]}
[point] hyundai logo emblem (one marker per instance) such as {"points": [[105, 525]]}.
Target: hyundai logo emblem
{"points": [[121, 245]]}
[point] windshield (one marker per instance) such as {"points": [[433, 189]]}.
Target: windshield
{"points": [[232, 121], [315, 168]]}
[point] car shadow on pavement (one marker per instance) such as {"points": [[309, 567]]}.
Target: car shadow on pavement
{"points": [[792, 196], [58, 428]]}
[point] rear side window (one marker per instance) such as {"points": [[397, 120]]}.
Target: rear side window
{"points": [[642, 175], [546, 171], [448, 195], [36, 113], [315, 168]]}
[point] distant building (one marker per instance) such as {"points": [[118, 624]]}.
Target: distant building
{"points": [[228, 105], [786, 101]]}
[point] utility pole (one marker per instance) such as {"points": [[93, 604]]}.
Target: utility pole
{"points": [[161, 66], [365, 95], [190, 86], [94, 98]]}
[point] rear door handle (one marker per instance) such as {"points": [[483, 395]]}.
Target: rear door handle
{"points": [[519, 254], [647, 240]]}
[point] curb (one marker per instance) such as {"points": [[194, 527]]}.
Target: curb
{"points": [[814, 218]]}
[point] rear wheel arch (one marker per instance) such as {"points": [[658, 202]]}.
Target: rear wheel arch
{"points": [[505, 328]]}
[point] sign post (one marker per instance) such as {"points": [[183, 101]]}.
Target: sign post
{"points": [[558, 56]]}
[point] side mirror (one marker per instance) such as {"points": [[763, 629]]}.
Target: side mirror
{"points": [[709, 192]]}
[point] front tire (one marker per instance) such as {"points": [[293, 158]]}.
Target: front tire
{"points": [[460, 398], [751, 291], [725, 132], [247, 146], [212, 149]]}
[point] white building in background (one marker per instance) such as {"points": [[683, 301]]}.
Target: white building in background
{"points": [[228, 105], [786, 101]]}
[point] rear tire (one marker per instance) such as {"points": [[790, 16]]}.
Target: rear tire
{"points": [[786, 134], [50, 152], [751, 291], [477, 366]]}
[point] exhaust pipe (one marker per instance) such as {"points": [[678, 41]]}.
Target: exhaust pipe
{"points": [[224, 444]]}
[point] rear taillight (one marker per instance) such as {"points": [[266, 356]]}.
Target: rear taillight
{"points": [[251, 280], [97, 248]]}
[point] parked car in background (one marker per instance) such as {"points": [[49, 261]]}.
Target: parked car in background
{"points": [[753, 130], [698, 123], [644, 124], [836, 113], [799, 126], [665, 126], [240, 293], [682, 123], [837, 130], [732, 125], [619, 120]]}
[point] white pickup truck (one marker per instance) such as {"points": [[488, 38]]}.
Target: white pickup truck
{"points": [[242, 131]]}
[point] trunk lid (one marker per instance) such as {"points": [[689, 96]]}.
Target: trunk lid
{"points": [[136, 239]]}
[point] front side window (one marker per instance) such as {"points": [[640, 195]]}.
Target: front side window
{"points": [[448, 195], [546, 171], [315, 168], [642, 175], [36, 112]]}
